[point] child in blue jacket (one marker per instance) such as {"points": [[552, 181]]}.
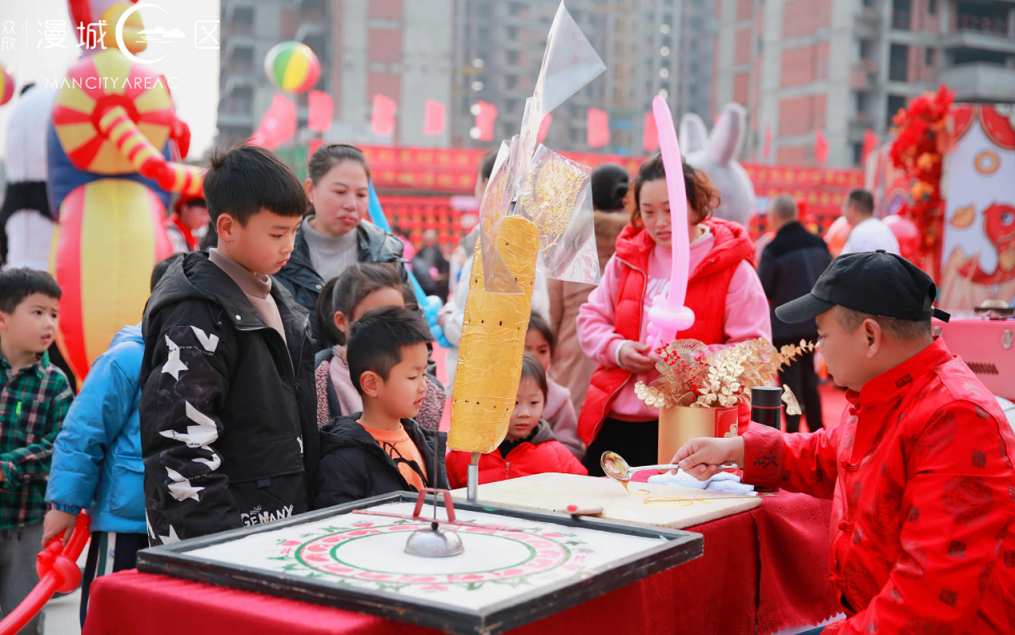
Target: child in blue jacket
{"points": [[97, 460]]}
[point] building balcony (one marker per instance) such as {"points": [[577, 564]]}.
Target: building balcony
{"points": [[985, 40], [234, 119], [867, 22], [863, 75], [232, 40], [859, 123], [312, 29], [993, 25], [980, 82]]}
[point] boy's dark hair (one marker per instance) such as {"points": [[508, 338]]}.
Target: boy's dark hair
{"points": [[486, 165], [211, 238], [862, 200], [357, 282], [532, 369], [161, 267], [18, 284], [537, 323], [246, 179], [610, 183], [326, 317], [378, 337]]}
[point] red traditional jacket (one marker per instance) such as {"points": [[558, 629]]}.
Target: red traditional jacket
{"points": [[920, 470]]}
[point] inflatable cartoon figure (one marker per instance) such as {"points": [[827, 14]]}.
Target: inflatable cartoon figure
{"points": [[113, 137], [26, 226], [715, 155]]}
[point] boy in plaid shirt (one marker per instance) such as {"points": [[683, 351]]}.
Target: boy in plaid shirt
{"points": [[34, 397]]}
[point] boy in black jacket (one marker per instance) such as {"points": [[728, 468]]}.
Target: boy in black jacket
{"points": [[382, 449], [228, 428]]}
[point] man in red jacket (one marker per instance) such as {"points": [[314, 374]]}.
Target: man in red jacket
{"points": [[920, 466]]}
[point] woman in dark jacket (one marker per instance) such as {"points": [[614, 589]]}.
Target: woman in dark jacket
{"points": [[333, 236]]}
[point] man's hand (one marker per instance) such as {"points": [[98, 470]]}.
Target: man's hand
{"points": [[702, 458], [634, 357], [55, 523]]}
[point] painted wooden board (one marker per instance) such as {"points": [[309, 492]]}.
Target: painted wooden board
{"points": [[518, 565], [557, 491]]}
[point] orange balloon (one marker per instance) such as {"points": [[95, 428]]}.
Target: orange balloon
{"points": [[836, 236]]}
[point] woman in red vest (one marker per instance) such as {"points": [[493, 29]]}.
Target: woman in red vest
{"points": [[724, 292]]}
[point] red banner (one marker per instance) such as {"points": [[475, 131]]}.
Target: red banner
{"points": [[382, 121], [453, 171]]}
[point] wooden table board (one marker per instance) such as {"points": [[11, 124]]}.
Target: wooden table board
{"points": [[556, 491]]}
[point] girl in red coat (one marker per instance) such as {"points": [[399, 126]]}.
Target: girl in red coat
{"points": [[529, 447], [723, 290]]}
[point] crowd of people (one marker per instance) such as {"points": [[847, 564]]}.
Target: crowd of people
{"points": [[282, 366]]}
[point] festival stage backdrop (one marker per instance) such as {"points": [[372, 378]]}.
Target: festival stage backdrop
{"points": [[978, 249]]}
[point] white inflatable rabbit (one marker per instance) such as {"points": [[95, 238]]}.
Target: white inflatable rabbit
{"points": [[715, 155]]}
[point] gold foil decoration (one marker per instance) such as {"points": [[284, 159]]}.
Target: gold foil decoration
{"points": [[690, 376], [492, 343], [550, 196]]}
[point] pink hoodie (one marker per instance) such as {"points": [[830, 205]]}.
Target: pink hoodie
{"points": [[559, 413], [746, 317]]}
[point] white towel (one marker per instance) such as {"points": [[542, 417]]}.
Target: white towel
{"points": [[721, 482]]}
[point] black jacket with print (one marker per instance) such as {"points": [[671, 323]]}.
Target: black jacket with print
{"points": [[354, 467], [228, 427], [305, 284]]}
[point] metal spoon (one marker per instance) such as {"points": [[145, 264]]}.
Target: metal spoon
{"points": [[617, 468]]}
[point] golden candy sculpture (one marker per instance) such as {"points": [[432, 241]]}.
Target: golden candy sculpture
{"points": [[112, 151], [493, 338], [536, 216]]}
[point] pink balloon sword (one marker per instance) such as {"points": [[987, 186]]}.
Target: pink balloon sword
{"points": [[668, 315]]}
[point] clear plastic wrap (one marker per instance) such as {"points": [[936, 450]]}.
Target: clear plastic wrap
{"points": [[556, 195], [569, 63]]}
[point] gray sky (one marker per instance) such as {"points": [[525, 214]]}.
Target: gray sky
{"points": [[193, 73]]}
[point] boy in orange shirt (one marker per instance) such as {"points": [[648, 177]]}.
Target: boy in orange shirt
{"points": [[382, 449]]}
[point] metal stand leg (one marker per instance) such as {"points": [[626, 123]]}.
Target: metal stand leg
{"points": [[473, 483]]}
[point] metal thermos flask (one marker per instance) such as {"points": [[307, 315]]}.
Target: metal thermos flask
{"points": [[766, 406]]}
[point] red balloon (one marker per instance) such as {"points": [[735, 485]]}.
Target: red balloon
{"points": [[906, 233], [836, 236]]}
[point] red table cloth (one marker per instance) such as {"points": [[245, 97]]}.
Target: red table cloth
{"points": [[717, 593]]}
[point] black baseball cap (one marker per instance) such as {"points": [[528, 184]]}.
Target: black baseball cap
{"points": [[874, 282]]}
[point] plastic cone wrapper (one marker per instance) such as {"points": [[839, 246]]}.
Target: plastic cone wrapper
{"points": [[493, 340], [536, 216], [556, 195], [569, 63]]}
